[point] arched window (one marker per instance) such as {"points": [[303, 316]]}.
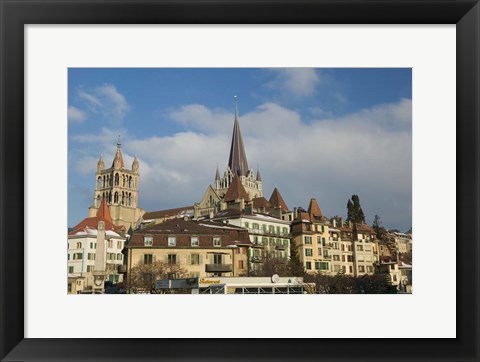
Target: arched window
{"points": [[97, 203], [99, 183], [123, 198], [130, 182], [110, 180], [117, 179], [123, 180], [129, 199], [110, 195], [115, 198], [103, 181]]}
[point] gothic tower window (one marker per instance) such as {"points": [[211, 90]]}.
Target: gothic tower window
{"points": [[103, 181], [130, 182], [98, 201], [129, 199], [123, 198], [123, 180], [117, 179], [99, 183], [115, 198]]}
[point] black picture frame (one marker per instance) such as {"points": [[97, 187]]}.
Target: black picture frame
{"points": [[15, 14]]}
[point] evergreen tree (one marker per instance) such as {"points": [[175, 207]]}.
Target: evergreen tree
{"points": [[295, 265], [354, 210]]}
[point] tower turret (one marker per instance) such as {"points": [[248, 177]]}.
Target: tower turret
{"points": [[100, 164], [118, 163], [135, 164]]}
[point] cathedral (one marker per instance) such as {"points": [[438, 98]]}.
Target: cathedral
{"points": [[239, 188], [119, 186]]}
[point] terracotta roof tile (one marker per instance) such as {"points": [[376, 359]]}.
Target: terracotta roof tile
{"points": [[276, 200], [236, 191], [183, 230], [314, 209], [165, 213], [259, 202]]}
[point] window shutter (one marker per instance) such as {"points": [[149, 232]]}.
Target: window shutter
{"points": [[154, 258], [189, 259], [166, 258], [140, 260], [200, 259]]}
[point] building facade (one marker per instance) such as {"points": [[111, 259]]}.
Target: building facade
{"points": [[201, 248], [269, 236], [119, 186], [94, 253]]}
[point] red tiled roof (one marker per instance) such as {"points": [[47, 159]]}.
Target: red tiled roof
{"points": [[103, 214], [259, 202], [183, 230], [236, 191], [103, 211], [276, 200], [164, 213], [314, 209]]}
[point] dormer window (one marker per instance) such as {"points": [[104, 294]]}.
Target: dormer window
{"points": [[148, 240], [194, 240], [172, 241], [217, 242]]}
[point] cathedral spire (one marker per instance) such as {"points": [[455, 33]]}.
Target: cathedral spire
{"points": [[259, 177], [238, 159], [118, 160], [217, 174]]}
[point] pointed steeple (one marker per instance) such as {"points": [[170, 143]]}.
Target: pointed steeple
{"points": [[259, 177], [238, 159], [276, 200], [135, 164], [103, 212], [118, 159], [100, 164], [314, 209], [217, 174]]}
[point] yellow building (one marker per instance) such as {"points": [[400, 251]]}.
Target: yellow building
{"points": [[311, 236], [202, 248]]}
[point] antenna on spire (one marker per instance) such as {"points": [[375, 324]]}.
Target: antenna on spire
{"points": [[236, 107]]}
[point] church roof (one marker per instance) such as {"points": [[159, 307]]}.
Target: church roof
{"points": [[179, 211], [238, 158], [103, 214], [276, 200], [314, 209], [259, 177], [236, 191]]}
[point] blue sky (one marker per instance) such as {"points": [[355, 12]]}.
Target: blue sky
{"points": [[323, 133]]}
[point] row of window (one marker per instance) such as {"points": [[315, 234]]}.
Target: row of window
{"points": [[192, 259], [266, 228], [172, 241], [320, 240], [319, 228], [110, 244], [92, 256], [270, 241], [319, 265]]}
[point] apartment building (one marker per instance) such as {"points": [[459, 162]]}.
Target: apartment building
{"points": [[269, 236], [310, 233], [202, 248], [94, 247]]}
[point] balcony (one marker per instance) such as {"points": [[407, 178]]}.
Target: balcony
{"points": [[280, 247], [218, 268], [327, 257], [122, 269], [256, 259]]}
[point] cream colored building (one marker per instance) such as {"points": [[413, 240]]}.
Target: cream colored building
{"points": [[202, 248], [310, 233], [119, 186], [270, 236], [94, 247]]}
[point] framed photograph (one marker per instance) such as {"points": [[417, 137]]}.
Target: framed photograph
{"points": [[119, 97]]}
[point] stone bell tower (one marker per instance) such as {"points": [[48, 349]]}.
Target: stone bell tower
{"points": [[119, 186]]}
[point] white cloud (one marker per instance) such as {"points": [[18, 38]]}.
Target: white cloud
{"points": [[299, 82], [368, 153], [107, 101], [76, 115]]}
